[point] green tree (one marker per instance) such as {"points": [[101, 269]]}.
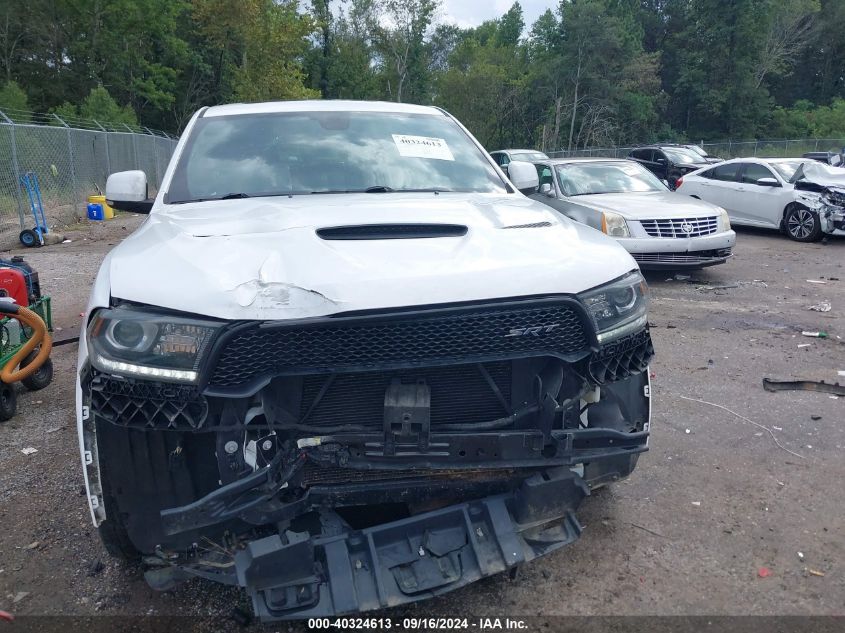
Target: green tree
{"points": [[400, 29], [13, 102]]}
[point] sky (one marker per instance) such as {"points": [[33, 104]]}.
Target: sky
{"points": [[466, 13]]}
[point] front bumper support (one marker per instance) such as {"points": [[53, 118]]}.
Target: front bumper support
{"points": [[294, 575]]}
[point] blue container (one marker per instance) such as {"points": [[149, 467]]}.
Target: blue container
{"points": [[95, 211]]}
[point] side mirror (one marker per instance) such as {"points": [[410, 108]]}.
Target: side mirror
{"points": [[523, 176], [546, 189], [127, 191], [768, 182]]}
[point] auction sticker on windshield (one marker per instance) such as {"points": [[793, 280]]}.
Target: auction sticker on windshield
{"points": [[422, 147]]}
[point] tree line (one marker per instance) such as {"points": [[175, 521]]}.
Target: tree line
{"points": [[585, 73]]}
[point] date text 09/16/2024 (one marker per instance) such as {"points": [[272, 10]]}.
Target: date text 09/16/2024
{"points": [[425, 624]]}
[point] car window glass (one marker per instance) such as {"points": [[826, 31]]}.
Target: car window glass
{"points": [[600, 177], [786, 169], [725, 172], [504, 159], [544, 173], [530, 157], [325, 152], [754, 172], [681, 156]]}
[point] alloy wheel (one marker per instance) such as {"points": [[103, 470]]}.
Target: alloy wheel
{"points": [[801, 224]]}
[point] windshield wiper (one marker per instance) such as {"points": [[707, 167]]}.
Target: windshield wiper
{"points": [[234, 196], [383, 189]]}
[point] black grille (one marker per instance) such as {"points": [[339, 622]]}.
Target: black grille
{"points": [[623, 358], [460, 394], [433, 337], [147, 404]]}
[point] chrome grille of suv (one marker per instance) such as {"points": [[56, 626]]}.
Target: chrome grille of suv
{"points": [[681, 227]]}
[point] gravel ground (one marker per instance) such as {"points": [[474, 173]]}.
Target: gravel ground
{"points": [[715, 499]]}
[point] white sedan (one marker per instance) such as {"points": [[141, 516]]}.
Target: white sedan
{"points": [[801, 197]]}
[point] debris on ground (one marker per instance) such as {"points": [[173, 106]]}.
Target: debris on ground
{"points": [[801, 555], [815, 418], [17, 597], [805, 345], [822, 306], [29, 450], [764, 572], [33, 545], [803, 385], [5, 615], [709, 288], [814, 334], [697, 504], [816, 281], [815, 572], [742, 417], [95, 568]]}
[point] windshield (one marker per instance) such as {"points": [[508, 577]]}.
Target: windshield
{"points": [[698, 150], [590, 178], [786, 169], [529, 156], [681, 156], [296, 153]]}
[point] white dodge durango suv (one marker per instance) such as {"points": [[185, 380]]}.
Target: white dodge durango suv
{"points": [[346, 364]]}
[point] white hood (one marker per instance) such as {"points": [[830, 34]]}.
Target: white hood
{"points": [[262, 259]]}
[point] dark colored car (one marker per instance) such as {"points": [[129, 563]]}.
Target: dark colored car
{"points": [[828, 158], [668, 162], [709, 158]]}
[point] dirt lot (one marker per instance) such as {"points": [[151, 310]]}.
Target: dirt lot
{"points": [[715, 499]]}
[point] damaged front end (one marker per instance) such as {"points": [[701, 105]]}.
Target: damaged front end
{"points": [[825, 198], [365, 460]]}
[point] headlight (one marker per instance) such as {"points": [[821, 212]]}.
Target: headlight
{"points": [[618, 308], [135, 343], [724, 220], [614, 225]]}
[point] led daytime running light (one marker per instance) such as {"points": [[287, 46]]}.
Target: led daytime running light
{"points": [[143, 370]]}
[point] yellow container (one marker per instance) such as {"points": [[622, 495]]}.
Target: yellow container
{"points": [[108, 212]]}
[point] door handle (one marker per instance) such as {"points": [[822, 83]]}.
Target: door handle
{"points": [[740, 188]]}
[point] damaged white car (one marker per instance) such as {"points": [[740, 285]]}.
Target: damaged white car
{"points": [[803, 198], [346, 364]]}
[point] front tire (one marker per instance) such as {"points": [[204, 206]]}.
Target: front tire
{"points": [[115, 537], [802, 225]]}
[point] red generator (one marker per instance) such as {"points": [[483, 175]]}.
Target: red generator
{"points": [[13, 284]]}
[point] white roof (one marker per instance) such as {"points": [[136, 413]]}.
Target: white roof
{"points": [[327, 105]]}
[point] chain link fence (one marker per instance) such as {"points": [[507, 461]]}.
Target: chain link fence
{"points": [[71, 159], [781, 148]]}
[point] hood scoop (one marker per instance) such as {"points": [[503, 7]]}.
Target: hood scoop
{"points": [[391, 231]]}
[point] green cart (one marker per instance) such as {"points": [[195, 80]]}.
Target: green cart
{"points": [[13, 336]]}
